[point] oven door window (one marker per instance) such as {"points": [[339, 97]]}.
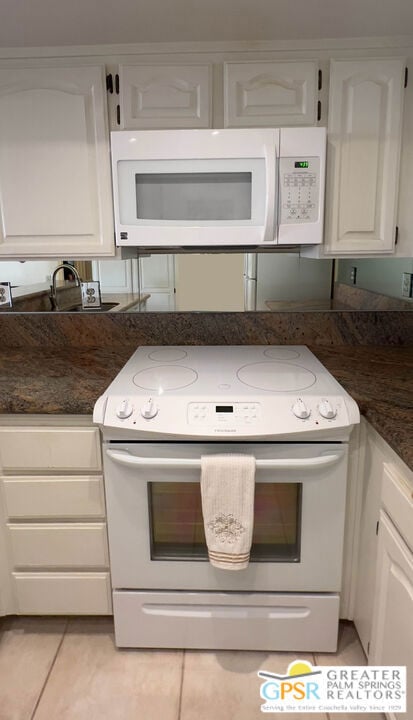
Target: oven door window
{"points": [[177, 529]]}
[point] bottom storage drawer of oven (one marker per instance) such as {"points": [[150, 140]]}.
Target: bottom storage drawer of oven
{"points": [[226, 621]]}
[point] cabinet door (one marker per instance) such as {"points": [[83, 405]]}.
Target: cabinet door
{"points": [[6, 602], [165, 96], [115, 276], [392, 638], [363, 154], [55, 187], [270, 94], [157, 278], [367, 550]]}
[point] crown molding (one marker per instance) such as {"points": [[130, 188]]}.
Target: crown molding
{"points": [[182, 48]]}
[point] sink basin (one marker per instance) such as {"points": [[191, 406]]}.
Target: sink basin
{"points": [[103, 308]]}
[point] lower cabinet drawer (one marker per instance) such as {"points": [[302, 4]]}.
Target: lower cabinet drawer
{"points": [[54, 497], [71, 449], [70, 545], [63, 593]]}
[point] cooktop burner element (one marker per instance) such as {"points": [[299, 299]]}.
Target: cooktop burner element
{"points": [[167, 354], [276, 377], [214, 393], [281, 353], [163, 378]]}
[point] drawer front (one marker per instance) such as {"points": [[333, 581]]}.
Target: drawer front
{"points": [[397, 499], [226, 621], [63, 593], [54, 497], [46, 449], [74, 545]]}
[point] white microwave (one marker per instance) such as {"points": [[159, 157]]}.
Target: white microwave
{"points": [[219, 188]]}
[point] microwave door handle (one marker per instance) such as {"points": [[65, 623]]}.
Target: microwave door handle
{"points": [[270, 194], [125, 458]]}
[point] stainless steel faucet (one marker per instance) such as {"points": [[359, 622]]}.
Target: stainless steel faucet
{"points": [[53, 289]]}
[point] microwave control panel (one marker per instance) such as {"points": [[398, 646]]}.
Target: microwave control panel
{"points": [[299, 189]]}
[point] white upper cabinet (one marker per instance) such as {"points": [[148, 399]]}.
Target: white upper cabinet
{"points": [[55, 186], [165, 96], [270, 94], [363, 155]]}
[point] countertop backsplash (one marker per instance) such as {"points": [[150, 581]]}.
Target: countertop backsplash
{"points": [[114, 330]]}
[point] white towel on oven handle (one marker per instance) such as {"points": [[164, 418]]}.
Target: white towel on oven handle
{"points": [[227, 491]]}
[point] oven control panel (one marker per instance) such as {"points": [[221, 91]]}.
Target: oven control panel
{"points": [[179, 417], [225, 414]]}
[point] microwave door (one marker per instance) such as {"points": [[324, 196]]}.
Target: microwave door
{"points": [[195, 188]]}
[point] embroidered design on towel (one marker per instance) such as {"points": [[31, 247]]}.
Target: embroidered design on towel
{"points": [[226, 528]]}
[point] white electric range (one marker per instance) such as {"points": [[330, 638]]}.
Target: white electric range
{"points": [[225, 392], [166, 408]]}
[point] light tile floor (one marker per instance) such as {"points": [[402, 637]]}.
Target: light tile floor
{"points": [[57, 669]]}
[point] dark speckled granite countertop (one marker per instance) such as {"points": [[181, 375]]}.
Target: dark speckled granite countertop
{"points": [[68, 381]]}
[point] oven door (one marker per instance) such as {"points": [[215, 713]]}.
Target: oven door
{"points": [[155, 525]]}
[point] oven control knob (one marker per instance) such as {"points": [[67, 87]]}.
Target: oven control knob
{"points": [[326, 410], [124, 410], [301, 410], [149, 410]]}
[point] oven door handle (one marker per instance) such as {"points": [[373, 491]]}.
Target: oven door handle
{"points": [[125, 458]]}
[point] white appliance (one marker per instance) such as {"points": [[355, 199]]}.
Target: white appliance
{"points": [[169, 406], [219, 188]]}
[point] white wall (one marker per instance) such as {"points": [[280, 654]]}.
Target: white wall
{"points": [[210, 282], [27, 273]]}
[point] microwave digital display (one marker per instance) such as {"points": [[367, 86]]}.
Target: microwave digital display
{"points": [[224, 408], [301, 164]]}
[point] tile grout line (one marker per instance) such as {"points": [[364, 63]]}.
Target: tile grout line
{"points": [[49, 671], [314, 664], [181, 686]]}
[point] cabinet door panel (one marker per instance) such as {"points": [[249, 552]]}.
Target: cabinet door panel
{"points": [[162, 96], [115, 276], [365, 115], [157, 274], [270, 94], [54, 163], [392, 637], [397, 500]]}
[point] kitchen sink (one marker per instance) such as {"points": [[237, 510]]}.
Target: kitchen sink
{"points": [[103, 308]]}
